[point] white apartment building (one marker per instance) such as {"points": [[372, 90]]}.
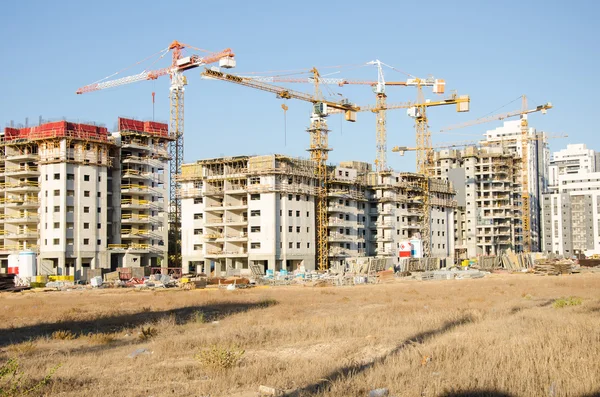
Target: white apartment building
{"points": [[574, 159], [572, 215], [510, 137], [243, 211], [60, 198]]}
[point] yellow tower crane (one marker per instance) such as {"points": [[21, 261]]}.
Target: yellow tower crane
{"points": [[525, 139], [380, 108], [319, 146]]}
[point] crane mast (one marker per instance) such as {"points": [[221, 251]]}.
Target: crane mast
{"points": [[179, 64], [525, 139], [319, 145]]}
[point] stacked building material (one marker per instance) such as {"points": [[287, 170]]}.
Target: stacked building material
{"points": [[553, 268]]}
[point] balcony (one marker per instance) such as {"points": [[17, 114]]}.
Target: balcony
{"points": [[23, 156], [132, 188], [19, 202], [133, 203], [337, 208], [340, 237], [21, 186], [29, 218], [384, 225], [134, 218], [20, 171]]}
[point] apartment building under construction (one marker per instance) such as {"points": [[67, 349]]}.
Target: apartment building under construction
{"points": [[488, 216], [246, 210], [82, 198]]}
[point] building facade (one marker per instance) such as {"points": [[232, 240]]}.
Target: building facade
{"points": [[487, 220], [61, 197], [260, 210]]}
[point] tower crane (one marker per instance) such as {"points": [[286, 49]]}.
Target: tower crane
{"points": [[526, 212], [179, 64], [380, 96], [319, 146]]}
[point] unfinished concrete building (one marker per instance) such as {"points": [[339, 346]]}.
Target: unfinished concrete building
{"points": [[139, 194], [241, 211], [510, 138], [488, 216], [61, 197]]}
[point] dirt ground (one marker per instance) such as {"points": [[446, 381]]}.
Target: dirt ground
{"points": [[503, 335]]}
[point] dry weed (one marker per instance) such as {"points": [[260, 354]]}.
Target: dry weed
{"points": [[63, 334], [564, 302], [147, 333], [220, 358], [101, 338]]}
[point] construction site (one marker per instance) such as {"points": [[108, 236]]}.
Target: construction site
{"points": [[299, 200], [80, 202]]}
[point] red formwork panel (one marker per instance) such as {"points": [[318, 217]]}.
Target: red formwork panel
{"points": [[58, 129], [155, 128], [130, 125]]}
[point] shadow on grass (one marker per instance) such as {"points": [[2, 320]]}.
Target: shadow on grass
{"points": [[117, 323], [356, 369], [476, 393]]}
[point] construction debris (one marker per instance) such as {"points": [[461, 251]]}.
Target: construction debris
{"points": [[553, 267], [7, 283]]}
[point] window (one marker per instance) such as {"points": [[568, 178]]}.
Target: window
{"points": [[86, 225], [70, 193], [307, 245], [86, 210], [70, 241], [56, 192], [46, 193], [86, 241], [198, 200], [57, 225], [254, 229], [307, 214], [70, 208], [298, 245], [290, 212], [297, 229], [70, 177], [99, 242], [99, 179], [255, 197], [308, 230], [254, 245], [99, 194], [255, 213], [298, 214], [86, 178], [197, 247], [56, 241], [290, 197], [290, 245], [297, 197], [197, 232], [56, 177], [99, 210], [86, 193], [198, 216], [290, 228], [99, 226], [57, 208], [255, 180], [280, 212]]}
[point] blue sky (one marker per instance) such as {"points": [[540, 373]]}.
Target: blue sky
{"points": [[492, 50]]}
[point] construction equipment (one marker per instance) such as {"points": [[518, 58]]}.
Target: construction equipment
{"points": [[319, 146], [179, 64], [380, 96], [526, 212]]}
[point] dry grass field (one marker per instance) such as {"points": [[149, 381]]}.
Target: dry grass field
{"points": [[504, 335]]}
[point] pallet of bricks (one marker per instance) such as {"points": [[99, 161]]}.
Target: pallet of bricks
{"points": [[553, 267]]}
